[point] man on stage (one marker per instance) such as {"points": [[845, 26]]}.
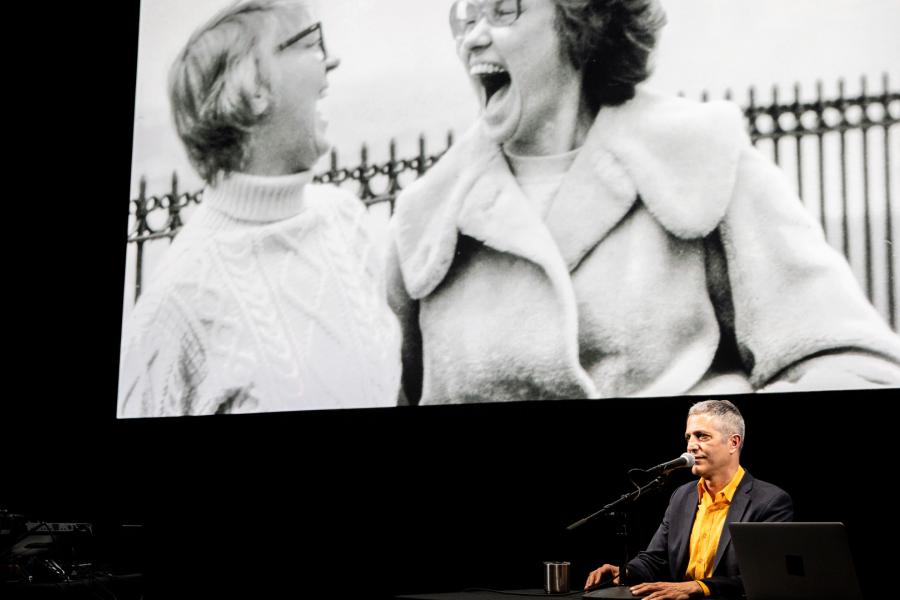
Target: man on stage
{"points": [[691, 554]]}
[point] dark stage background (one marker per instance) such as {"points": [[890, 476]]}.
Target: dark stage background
{"points": [[365, 503], [411, 500]]}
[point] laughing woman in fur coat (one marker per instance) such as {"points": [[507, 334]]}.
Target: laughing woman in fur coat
{"points": [[589, 238]]}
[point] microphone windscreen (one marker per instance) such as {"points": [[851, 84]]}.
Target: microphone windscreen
{"points": [[687, 456]]}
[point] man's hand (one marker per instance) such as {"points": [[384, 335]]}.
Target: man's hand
{"points": [[663, 590], [597, 575]]}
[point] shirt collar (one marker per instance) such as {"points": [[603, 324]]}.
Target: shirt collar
{"points": [[726, 494]]}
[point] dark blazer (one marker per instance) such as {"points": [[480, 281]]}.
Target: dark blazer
{"points": [[666, 558]]}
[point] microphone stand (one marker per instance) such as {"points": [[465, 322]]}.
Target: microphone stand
{"points": [[621, 590]]}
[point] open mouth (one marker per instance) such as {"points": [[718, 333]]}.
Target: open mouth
{"points": [[493, 78]]}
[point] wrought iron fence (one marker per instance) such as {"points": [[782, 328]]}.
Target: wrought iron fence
{"points": [[367, 176], [805, 138], [814, 121]]}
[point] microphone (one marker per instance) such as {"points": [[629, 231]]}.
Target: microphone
{"points": [[685, 460]]}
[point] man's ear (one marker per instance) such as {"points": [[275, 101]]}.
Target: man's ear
{"points": [[734, 442]]}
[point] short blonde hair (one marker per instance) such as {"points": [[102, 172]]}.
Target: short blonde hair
{"points": [[220, 85]]}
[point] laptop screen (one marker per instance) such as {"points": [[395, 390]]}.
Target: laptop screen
{"points": [[795, 561]]}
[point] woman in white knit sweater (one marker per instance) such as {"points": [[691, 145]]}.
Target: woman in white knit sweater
{"points": [[271, 298]]}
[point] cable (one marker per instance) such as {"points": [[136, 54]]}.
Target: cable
{"points": [[527, 594], [631, 479], [95, 582]]}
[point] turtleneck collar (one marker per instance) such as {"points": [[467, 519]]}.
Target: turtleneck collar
{"points": [[256, 198]]}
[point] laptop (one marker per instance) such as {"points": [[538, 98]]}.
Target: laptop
{"points": [[795, 561]]}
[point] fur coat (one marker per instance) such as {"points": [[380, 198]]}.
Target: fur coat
{"points": [[674, 259]]}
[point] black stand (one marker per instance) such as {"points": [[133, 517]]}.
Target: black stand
{"points": [[621, 590]]}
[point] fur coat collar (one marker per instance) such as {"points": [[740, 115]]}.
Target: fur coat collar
{"points": [[641, 148]]}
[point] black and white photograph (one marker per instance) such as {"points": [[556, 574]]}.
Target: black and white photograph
{"points": [[356, 247], [464, 202]]}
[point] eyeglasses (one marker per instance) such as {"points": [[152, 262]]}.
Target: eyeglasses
{"points": [[323, 54], [464, 14]]}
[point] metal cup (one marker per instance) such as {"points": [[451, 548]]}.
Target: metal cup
{"points": [[556, 577]]}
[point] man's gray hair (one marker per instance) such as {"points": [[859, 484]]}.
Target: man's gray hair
{"points": [[220, 85], [725, 412]]}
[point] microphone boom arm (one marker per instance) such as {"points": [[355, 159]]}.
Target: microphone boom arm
{"points": [[625, 498]]}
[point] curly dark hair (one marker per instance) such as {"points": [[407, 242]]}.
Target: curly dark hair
{"points": [[611, 40]]}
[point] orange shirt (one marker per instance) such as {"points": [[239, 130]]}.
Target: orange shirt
{"points": [[708, 523]]}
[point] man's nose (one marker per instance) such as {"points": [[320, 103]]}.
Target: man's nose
{"points": [[331, 63]]}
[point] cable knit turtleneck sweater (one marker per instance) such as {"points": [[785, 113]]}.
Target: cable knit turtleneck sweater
{"points": [[271, 298]]}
